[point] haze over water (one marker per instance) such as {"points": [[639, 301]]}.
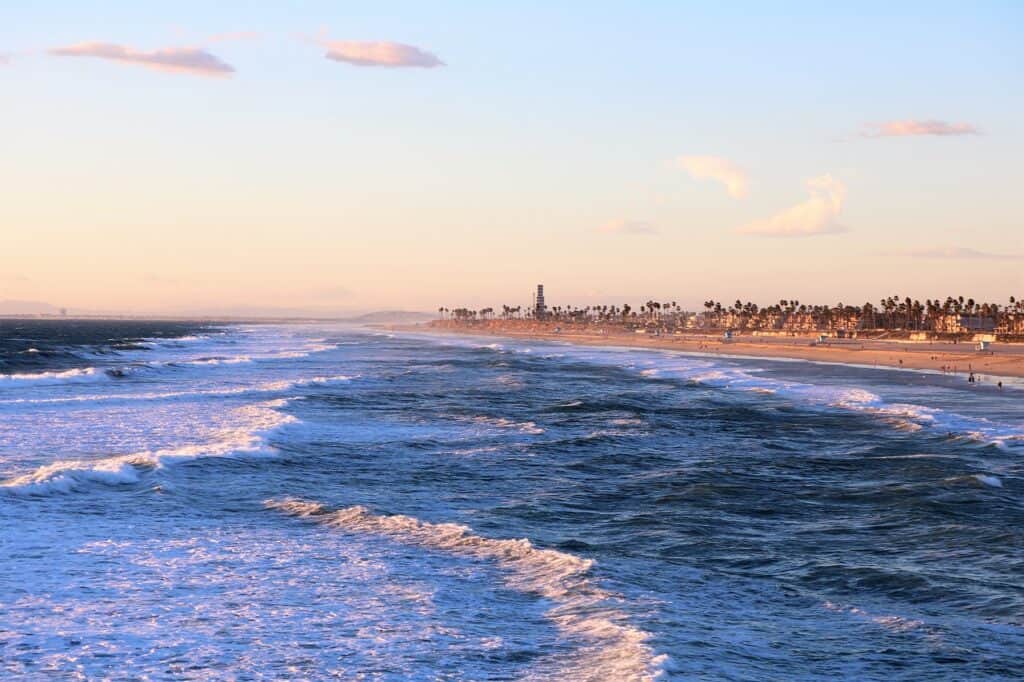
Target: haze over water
{"points": [[186, 501]]}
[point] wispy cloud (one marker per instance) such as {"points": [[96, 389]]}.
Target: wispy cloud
{"points": [[911, 128], [716, 168], [375, 53], [631, 227], [959, 253], [815, 216], [191, 60]]}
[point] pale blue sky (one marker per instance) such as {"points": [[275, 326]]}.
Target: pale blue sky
{"points": [[299, 177]]}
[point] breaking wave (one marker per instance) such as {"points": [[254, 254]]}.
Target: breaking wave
{"points": [[258, 421], [66, 375], [903, 415], [610, 647], [267, 387]]}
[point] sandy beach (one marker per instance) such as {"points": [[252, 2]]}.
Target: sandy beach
{"points": [[1001, 360]]}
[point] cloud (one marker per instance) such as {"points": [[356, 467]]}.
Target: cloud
{"points": [[632, 227], [959, 252], [174, 59], [715, 168], [815, 216], [911, 128], [394, 55], [4, 59]]}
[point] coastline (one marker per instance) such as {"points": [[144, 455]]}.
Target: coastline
{"points": [[1001, 361]]}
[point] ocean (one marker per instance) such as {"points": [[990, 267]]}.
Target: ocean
{"points": [[247, 502]]}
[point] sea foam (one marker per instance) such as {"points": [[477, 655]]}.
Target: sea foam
{"points": [[611, 648], [256, 423]]}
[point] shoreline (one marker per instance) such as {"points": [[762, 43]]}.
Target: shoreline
{"points": [[942, 358]]}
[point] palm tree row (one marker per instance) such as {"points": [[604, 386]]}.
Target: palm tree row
{"points": [[893, 313]]}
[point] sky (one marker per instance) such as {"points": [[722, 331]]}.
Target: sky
{"points": [[341, 156]]}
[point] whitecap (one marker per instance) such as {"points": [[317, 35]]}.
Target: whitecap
{"points": [[989, 480], [611, 648], [66, 375], [64, 476]]}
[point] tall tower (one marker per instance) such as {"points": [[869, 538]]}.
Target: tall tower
{"points": [[539, 309]]}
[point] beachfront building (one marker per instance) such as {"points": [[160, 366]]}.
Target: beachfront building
{"points": [[959, 323], [1012, 323]]}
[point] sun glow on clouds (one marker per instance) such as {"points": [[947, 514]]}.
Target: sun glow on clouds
{"points": [[716, 168], [913, 128], [189, 60], [377, 53], [815, 216]]}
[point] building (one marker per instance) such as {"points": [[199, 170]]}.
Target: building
{"points": [[961, 322], [540, 310]]}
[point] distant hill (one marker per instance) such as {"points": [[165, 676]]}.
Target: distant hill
{"points": [[391, 317], [27, 308]]}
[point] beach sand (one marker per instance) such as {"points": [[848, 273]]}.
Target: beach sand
{"points": [[1002, 360]]}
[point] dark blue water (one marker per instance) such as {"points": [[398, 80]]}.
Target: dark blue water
{"points": [[53, 345], [300, 502]]}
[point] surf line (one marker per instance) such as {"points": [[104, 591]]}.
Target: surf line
{"points": [[612, 648]]}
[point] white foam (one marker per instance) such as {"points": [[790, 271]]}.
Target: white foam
{"points": [[991, 481], [66, 375], [611, 649], [893, 623], [305, 351], [268, 387], [65, 476], [902, 415], [233, 360], [503, 423]]}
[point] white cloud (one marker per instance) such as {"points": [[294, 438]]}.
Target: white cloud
{"points": [[387, 54], [910, 128], [815, 216], [631, 227], [716, 168], [190, 60], [959, 253]]}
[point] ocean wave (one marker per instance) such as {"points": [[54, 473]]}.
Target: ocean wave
{"points": [[267, 387], [218, 360], [611, 648], [258, 421], [905, 416], [893, 623], [528, 427], [122, 371], [989, 480], [77, 374]]}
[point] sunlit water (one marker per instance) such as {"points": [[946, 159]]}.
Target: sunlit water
{"points": [[299, 502]]}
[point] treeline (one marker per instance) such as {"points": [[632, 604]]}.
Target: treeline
{"points": [[895, 313]]}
